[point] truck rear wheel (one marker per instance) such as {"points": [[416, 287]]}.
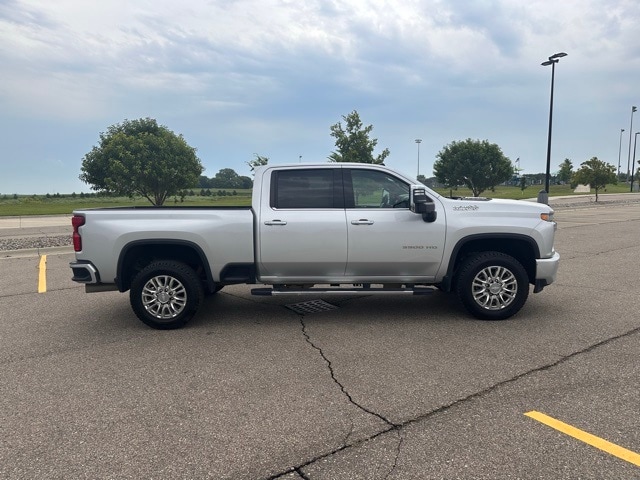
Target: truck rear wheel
{"points": [[166, 294], [492, 286]]}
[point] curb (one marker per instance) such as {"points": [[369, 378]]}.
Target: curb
{"points": [[35, 252]]}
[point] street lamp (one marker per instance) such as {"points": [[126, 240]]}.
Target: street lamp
{"points": [[633, 109], [619, 152], [634, 159], [553, 59], [418, 141]]}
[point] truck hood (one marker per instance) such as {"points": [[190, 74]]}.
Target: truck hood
{"points": [[494, 205]]}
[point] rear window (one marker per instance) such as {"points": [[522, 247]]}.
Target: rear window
{"points": [[304, 188]]}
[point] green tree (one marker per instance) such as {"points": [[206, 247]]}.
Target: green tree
{"points": [[596, 173], [226, 178], [566, 171], [245, 182], [479, 165], [140, 157], [353, 142], [258, 161], [523, 183], [204, 182]]}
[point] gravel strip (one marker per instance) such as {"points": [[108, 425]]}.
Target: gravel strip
{"points": [[20, 243]]}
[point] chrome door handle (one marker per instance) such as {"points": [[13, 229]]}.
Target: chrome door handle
{"points": [[362, 221], [275, 222]]}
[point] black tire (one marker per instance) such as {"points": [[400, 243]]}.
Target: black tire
{"points": [[166, 294], [492, 285]]}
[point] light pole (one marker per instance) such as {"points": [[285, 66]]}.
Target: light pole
{"points": [[633, 109], [418, 141], [634, 159], [619, 152], [553, 59]]}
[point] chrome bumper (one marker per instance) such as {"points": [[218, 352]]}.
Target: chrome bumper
{"points": [[84, 272], [546, 271]]}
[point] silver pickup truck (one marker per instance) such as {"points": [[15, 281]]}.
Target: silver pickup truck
{"points": [[326, 229]]}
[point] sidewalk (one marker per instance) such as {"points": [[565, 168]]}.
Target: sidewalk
{"points": [[589, 199], [35, 221]]}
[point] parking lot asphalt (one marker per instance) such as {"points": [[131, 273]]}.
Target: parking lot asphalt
{"points": [[378, 387]]}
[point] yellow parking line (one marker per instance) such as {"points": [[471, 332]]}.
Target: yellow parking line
{"points": [[587, 438], [42, 276]]}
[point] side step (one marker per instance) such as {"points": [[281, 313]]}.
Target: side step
{"points": [[277, 290]]}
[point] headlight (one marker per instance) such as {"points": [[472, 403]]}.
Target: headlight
{"points": [[547, 217]]}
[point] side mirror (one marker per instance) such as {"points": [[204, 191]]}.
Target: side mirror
{"points": [[419, 203]]}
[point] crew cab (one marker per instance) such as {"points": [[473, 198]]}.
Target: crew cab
{"points": [[320, 229]]}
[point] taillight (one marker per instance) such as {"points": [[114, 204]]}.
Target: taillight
{"points": [[77, 221]]}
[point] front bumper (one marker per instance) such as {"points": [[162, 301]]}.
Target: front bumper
{"points": [[546, 271]]}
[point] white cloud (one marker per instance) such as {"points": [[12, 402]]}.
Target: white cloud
{"points": [[271, 67]]}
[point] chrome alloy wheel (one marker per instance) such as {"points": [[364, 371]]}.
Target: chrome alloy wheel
{"points": [[164, 297], [494, 288]]}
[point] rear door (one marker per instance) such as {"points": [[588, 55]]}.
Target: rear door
{"points": [[385, 239], [302, 233]]}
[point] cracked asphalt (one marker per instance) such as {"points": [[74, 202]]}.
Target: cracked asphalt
{"points": [[379, 388]]}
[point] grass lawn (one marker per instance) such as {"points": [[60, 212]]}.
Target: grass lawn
{"points": [[65, 204], [532, 191], [43, 205]]}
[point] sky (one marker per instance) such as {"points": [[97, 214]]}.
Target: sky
{"points": [[269, 77]]}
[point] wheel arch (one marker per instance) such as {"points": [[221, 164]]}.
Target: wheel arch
{"points": [[521, 247], [136, 255]]}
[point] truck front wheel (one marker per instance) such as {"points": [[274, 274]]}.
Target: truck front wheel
{"points": [[492, 285], [166, 294]]}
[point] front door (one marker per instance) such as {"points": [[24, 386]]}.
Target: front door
{"points": [[385, 239]]}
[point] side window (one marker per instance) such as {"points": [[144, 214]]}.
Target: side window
{"points": [[300, 188], [372, 189]]}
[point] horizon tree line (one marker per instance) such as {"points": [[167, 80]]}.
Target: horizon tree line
{"points": [[140, 157]]}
